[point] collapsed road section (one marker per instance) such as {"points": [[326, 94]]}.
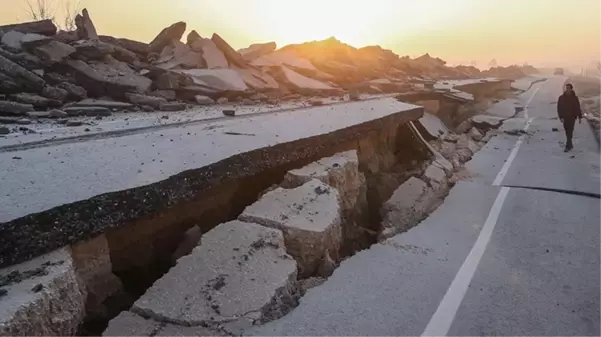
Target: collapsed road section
{"points": [[116, 209], [295, 190]]}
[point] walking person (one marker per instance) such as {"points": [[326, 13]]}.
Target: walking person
{"points": [[568, 110]]}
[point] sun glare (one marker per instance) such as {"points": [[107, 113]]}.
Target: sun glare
{"points": [[358, 23]]}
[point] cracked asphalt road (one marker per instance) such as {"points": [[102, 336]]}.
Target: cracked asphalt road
{"points": [[513, 251]]}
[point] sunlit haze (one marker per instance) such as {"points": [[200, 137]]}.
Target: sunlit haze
{"points": [[541, 32]]}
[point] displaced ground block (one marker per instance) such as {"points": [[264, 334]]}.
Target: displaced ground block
{"points": [[487, 122], [435, 175], [41, 297], [340, 171], [309, 216], [239, 271], [94, 269], [408, 204], [465, 142], [433, 126], [130, 324]]}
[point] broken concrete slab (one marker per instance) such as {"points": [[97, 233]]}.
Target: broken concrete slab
{"points": [[168, 35], [408, 204], [137, 47], [151, 101], [283, 57], [12, 39], [213, 56], [433, 126], [30, 41], [465, 142], [91, 102], [43, 297], [130, 324], [14, 108], [435, 174], [177, 54], [173, 181], [220, 80], [169, 95], [94, 270], [232, 56], [487, 122], [238, 271], [172, 106], [303, 84], [256, 50], [74, 92], [54, 52], [87, 111], [21, 76], [257, 79], [192, 36], [43, 27], [203, 100], [85, 26], [112, 77], [48, 114], [309, 216], [55, 93], [93, 49], [340, 171], [35, 100], [475, 134]]}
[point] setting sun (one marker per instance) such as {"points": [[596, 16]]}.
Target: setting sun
{"points": [[349, 21]]}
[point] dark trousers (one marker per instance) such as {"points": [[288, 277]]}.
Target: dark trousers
{"points": [[568, 125]]}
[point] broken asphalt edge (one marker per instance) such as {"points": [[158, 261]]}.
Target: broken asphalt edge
{"points": [[35, 234]]}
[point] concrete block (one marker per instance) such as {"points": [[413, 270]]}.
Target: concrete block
{"points": [[130, 324], [408, 204], [465, 142], [434, 127], [94, 270], [487, 122], [41, 297], [309, 216], [476, 134], [435, 174], [239, 271], [340, 171]]}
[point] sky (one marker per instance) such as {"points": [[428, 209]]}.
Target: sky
{"points": [[540, 32]]}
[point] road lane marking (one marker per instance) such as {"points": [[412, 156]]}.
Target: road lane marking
{"points": [[529, 101], [441, 321], [514, 152], [501, 175]]}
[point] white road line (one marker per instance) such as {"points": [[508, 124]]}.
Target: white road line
{"points": [[501, 175], [441, 321], [529, 101], [514, 152]]}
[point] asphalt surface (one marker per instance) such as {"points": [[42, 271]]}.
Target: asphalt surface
{"points": [[514, 250], [40, 176]]}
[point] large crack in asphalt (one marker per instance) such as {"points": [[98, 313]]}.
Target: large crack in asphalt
{"points": [[558, 190]]}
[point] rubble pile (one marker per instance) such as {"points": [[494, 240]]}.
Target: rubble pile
{"points": [[42, 69], [513, 72]]}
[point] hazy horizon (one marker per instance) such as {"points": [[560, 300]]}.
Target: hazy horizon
{"points": [[544, 33]]}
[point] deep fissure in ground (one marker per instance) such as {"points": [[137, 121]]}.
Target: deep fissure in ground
{"points": [[142, 252]]}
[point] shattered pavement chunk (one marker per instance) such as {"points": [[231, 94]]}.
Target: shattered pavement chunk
{"points": [[239, 271]]}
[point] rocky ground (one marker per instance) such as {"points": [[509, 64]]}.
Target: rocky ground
{"points": [[56, 76]]}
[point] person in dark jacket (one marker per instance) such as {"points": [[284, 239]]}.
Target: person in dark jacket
{"points": [[568, 110]]}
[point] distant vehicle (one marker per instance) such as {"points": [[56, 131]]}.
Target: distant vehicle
{"points": [[558, 71]]}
